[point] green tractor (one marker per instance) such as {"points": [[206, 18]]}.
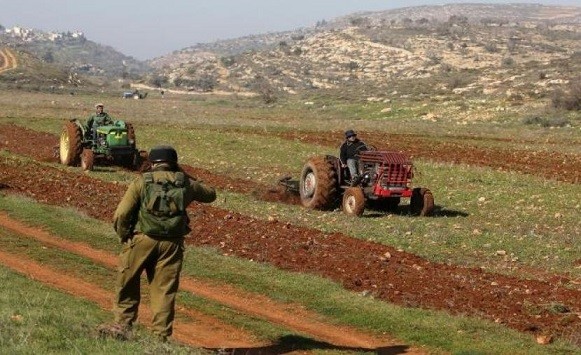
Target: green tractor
{"points": [[108, 144]]}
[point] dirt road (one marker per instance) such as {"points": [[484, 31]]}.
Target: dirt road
{"points": [[8, 60]]}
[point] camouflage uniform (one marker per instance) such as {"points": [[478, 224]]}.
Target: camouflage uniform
{"points": [[161, 258]]}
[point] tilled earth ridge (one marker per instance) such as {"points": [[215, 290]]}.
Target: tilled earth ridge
{"points": [[358, 265], [551, 165]]}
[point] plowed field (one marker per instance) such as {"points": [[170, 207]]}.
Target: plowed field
{"points": [[403, 279]]}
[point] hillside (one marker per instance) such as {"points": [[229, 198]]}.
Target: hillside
{"points": [[489, 58], [23, 70], [71, 52], [514, 53]]}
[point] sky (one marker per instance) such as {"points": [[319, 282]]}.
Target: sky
{"points": [[145, 29]]}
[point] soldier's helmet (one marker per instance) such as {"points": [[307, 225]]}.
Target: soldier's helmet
{"points": [[350, 133], [99, 105], [163, 153]]}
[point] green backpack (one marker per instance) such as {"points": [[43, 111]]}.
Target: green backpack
{"points": [[163, 212]]}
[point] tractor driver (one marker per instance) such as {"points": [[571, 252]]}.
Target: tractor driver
{"points": [[100, 118], [349, 154]]}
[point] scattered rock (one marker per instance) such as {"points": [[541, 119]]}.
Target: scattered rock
{"points": [[544, 339]]}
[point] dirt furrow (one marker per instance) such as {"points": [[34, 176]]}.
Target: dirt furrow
{"points": [[550, 165]]}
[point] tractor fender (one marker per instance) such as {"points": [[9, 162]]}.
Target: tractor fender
{"points": [[81, 125]]}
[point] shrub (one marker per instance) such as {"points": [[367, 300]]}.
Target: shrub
{"points": [[446, 68], [422, 21], [458, 19], [546, 121], [352, 65], [491, 47], [434, 57], [570, 99], [458, 80], [48, 57], [358, 21], [203, 83], [508, 62], [511, 44], [158, 81], [443, 29], [228, 61], [264, 89]]}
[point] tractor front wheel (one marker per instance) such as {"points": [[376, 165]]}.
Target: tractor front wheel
{"points": [[353, 201], [87, 159], [70, 145], [422, 202], [144, 163]]}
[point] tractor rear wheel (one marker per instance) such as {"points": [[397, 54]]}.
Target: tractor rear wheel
{"points": [[422, 202], [353, 201], [87, 159], [70, 145], [318, 184]]}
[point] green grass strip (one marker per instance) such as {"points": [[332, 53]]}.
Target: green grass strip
{"points": [[36, 319], [435, 330]]}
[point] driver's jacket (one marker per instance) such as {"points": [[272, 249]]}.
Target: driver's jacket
{"points": [[99, 120], [350, 150]]}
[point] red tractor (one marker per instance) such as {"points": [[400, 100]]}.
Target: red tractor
{"points": [[385, 178]]}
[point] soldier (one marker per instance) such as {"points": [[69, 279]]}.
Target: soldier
{"points": [[349, 154], [151, 222]]}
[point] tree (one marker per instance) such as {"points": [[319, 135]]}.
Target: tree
{"points": [[48, 57], [264, 89], [158, 81]]}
